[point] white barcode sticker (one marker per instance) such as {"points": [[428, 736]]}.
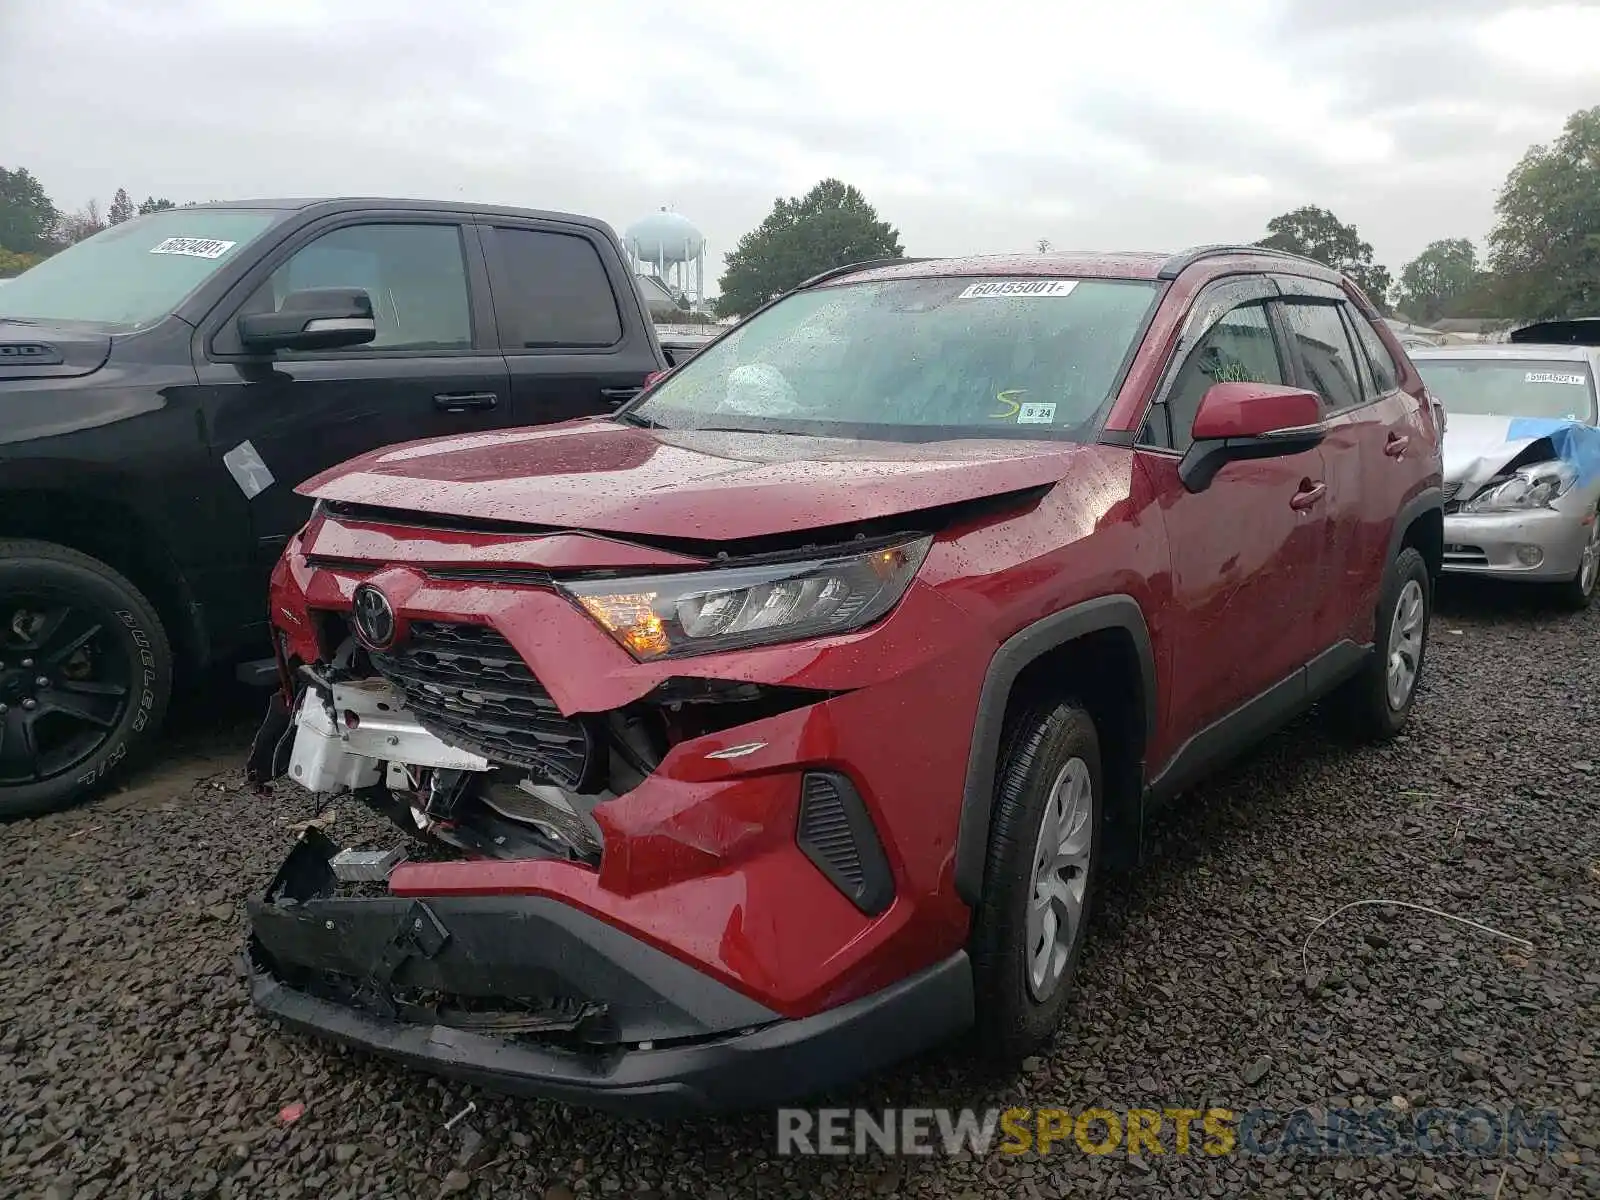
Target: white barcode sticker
{"points": [[193, 247], [1555, 377], [1011, 289]]}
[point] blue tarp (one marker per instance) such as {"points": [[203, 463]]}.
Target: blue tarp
{"points": [[1574, 442]]}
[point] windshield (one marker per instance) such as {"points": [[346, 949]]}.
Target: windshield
{"points": [[914, 359], [135, 273], [1503, 387]]}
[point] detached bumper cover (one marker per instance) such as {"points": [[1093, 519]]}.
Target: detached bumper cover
{"points": [[369, 973], [1487, 543]]}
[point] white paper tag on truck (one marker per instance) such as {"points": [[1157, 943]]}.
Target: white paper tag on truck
{"points": [[193, 247], [1555, 377], [1018, 289]]}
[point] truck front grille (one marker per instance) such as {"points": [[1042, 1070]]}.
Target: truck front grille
{"points": [[467, 685]]}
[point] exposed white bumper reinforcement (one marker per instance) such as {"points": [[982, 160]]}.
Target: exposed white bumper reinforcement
{"points": [[344, 742]]}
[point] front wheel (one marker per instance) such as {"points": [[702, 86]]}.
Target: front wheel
{"points": [[1577, 592], [1038, 879], [85, 675], [1375, 704]]}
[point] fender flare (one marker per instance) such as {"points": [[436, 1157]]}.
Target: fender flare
{"points": [[1010, 660], [1428, 498]]}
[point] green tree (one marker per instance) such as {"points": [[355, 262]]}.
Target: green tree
{"points": [[1316, 233], [150, 204], [1545, 245], [832, 225], [12, 263], [121, 208], [1438, 281], [27, 218]]}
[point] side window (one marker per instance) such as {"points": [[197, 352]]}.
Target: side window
{"points": [[415, 274], [558, 292], [1324, 351], [1368, 388], [1239, 348], [1385, 374]]}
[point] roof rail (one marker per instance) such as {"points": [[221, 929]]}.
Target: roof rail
{"points": [[852, 268], [1179, 263]]}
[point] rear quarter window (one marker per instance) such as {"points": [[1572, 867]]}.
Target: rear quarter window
{"points": [[553, 292], [1385, 371]]}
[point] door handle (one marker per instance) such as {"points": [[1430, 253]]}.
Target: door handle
{"points": [[1308, 495], [1395, 447], [462, 401], [619, 395]]}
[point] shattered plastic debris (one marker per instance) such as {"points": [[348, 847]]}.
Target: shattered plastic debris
{"points": [[290, 1113]]}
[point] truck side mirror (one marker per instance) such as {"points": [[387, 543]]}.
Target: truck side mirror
{"points": [[313, 319]]}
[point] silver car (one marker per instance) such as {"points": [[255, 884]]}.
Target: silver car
{"points": [[1521, 460]]}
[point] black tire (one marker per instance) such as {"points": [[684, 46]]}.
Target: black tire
{"points": [[1038, 748], [1362, 706], [82, 732]]}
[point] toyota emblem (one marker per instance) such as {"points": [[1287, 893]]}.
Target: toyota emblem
{"points": [[374, 617]]}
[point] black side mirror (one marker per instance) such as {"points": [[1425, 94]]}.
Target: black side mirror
{"points": [[314, 319]]}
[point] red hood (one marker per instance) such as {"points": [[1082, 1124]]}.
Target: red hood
{"points": [[697, 485]]}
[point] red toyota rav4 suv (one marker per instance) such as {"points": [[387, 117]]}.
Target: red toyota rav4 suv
{"points": [[782, 723]]}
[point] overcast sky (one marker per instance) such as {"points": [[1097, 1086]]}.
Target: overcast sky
{"points": [[975, 126]]}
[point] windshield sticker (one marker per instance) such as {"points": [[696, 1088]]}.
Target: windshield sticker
{"points": [[1010, 406], [1022, 288], [193, 247], [1037, 414], [248, 471], [1555, 377]]}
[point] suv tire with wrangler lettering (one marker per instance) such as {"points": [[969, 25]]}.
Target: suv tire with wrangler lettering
{"points": [[85, 676]]}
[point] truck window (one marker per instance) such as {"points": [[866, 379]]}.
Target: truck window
{"points": [[555, 292], [415, 274]]}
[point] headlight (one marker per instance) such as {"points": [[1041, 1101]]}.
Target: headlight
{"points": [[698, 612], [1533, 486]]}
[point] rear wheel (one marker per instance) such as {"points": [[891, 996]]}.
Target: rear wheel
{"points": [[85, 675], [1375, 703], [1039, 878], [1578, 591]]}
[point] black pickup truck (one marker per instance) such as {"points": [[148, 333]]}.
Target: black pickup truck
{"points": [[165, 385]]}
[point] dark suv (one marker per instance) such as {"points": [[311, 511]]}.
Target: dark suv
{"points": [[782, 724], [165, 384]]}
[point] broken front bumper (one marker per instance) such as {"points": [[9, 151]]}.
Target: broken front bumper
{"points": [[525, 994], [1543, 545]]}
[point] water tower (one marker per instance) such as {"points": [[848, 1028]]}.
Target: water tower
{"points": [[668, 246]]}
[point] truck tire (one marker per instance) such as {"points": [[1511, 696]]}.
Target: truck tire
{"points": [[1373, 705], [1038, 881], [85, 676]]}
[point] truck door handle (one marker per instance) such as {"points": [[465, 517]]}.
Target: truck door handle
{"points": [[461, 401], [619, 395], [1308, 495], [1395, 447]]}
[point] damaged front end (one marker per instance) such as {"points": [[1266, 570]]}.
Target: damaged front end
{"points": [[625, 886]]}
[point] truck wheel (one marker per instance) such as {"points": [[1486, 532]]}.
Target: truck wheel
{"points": [[85, 674], [1577, 592], [1039, 878], [1374, 704]]}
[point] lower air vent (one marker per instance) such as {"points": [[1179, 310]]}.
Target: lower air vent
{"points": [[836, 833]]}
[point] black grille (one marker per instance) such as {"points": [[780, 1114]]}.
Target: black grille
{"points": [[836, 833], [466, 684]]}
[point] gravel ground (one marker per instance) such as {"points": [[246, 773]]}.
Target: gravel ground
{"points": [[131, 1065]]}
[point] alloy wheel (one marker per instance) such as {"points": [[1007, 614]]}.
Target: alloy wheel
{"points": [[1060, 877], [1406, 629], [64, 686]]}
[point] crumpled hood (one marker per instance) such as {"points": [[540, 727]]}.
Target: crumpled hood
{"points": [[695, 485], [1477, 448]]}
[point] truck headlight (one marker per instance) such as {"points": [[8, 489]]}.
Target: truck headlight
{"points": [[1532, 486], [699, 612]]}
